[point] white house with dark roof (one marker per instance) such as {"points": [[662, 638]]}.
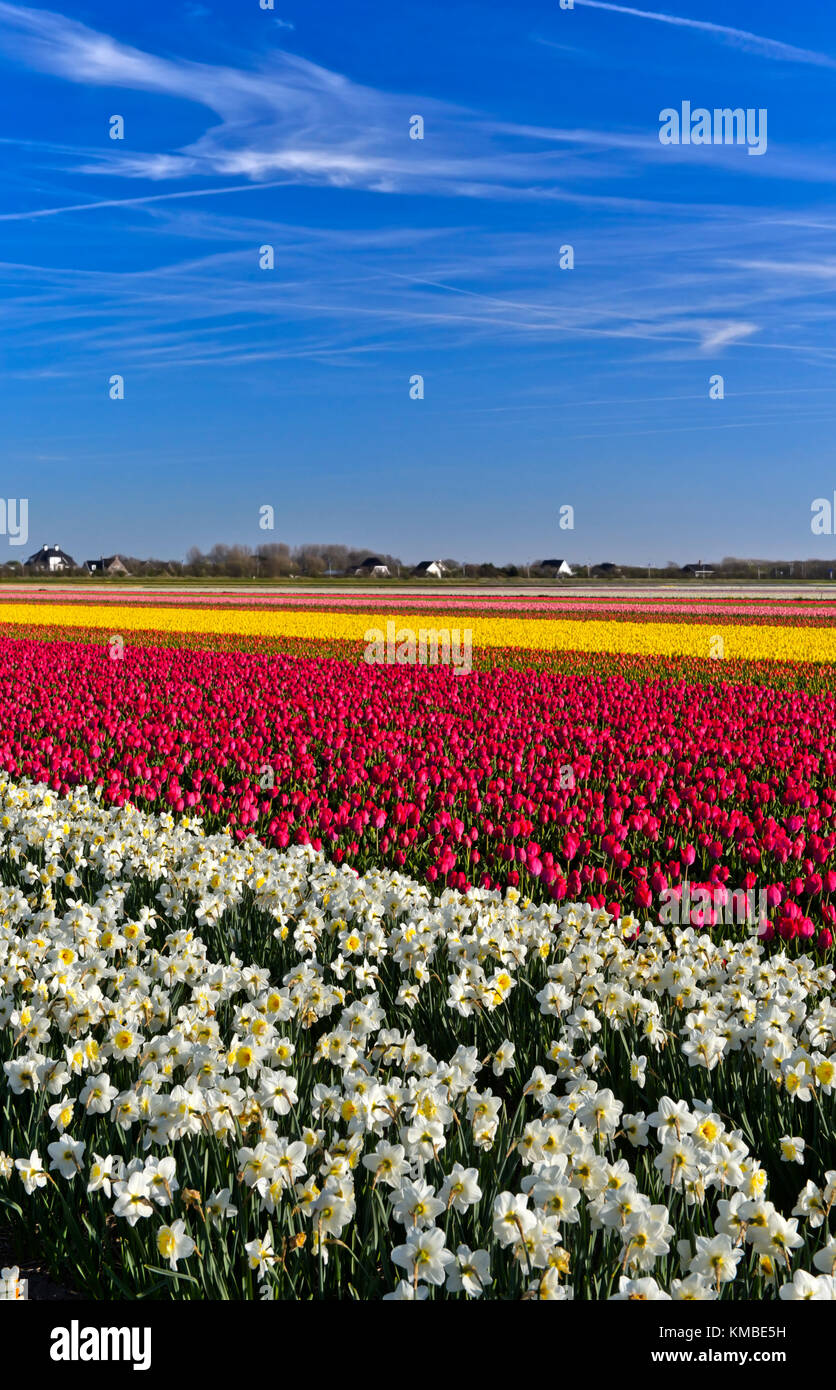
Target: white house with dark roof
{"points": [[50, 558], [430, 569]]}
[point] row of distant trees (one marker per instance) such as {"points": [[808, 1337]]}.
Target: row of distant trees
{"points": [[277, 560]]}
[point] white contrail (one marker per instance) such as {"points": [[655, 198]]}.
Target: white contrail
{"points": [[740, 38], [138, 202]]}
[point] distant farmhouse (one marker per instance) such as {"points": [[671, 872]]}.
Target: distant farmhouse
{"points": [[606, 570], [373, 568], [556, 567], [107, 564], [699, 571], [430, 569], [50, 558]]}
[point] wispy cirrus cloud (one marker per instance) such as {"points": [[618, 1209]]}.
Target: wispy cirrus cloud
{"points": [[723, 335], [817, 270], [288, 116], [287, 119], [291, 121], [344, 297], [284, 117]]}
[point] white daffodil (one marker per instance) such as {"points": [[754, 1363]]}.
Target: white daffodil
{"points": [[792, 1149], [470, 1273], [31, 1172], [65, 1156], [174, 1243], [818, 1288], [425, 1256]]}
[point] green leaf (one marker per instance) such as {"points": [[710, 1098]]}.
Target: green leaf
{"points": [[169, 1274]]}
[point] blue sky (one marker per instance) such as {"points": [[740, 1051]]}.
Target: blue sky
{"points": [[396, 257]]}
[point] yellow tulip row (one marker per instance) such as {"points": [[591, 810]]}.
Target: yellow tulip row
{"points": [[753, 643]]}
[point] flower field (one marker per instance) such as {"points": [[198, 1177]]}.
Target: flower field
{"points": [[801, 612], [321, 978], [633, 633], [271, 1077], [457, 782]]}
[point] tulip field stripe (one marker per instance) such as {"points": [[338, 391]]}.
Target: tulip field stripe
{"points": [[478, 605], [757, 643], [783, 675]]}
